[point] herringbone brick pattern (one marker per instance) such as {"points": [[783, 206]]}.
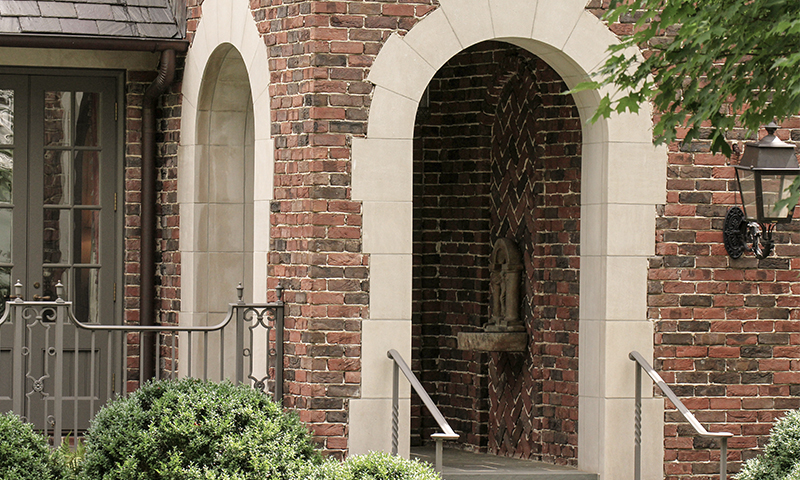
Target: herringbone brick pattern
{"points": [[536, 201], [497, 154], [513, 394]]}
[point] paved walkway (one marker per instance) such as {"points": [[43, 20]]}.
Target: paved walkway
{"points": [[459, 465]]}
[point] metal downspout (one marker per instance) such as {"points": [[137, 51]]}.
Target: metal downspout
{"points": [[147, 260]]}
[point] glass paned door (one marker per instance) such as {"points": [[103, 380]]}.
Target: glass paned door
{"points": [[76, 207], [58, 178]]}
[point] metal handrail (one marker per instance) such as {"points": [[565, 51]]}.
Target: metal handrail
{"points": [[447, 431], [641, 363]]}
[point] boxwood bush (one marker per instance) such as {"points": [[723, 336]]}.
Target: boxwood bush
{"points": [[190, 429], [25, 455], [781, 457], [372, 466]]}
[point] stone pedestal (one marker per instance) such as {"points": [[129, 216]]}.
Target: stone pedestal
{"points": [[493, 341]]}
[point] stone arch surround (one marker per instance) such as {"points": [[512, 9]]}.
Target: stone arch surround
{"points": [[226, 28], [623, 178]]}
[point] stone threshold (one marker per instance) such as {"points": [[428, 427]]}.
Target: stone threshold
{"points": [[460, 465]]}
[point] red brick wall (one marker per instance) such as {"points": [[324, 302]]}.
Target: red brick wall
{"points": [[726, 331], [167, 212], [497, 154], [319, 57], [452, 177], [728, 335]]}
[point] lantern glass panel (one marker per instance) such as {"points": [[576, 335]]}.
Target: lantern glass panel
{"points": [[774, 188], [747, 187]]}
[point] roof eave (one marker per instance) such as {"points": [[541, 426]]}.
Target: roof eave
{"points": [[80, 42]]}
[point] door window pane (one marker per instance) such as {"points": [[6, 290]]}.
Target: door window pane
{"points": [[56, 173], [5, 234], [6, 117], [6, 174], [57, 113], [87, 177], [87, 236], [87, 294], [86, 124], [6, 138], [5, 289], [55, 235]]}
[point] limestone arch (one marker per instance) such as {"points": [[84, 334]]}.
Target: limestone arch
{"points": [[225, 163], [623, 178]]}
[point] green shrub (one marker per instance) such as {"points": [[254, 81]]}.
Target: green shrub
{"points": [[24, 454], [382, 466], [372, 466], [189, 429], [781, 458]]}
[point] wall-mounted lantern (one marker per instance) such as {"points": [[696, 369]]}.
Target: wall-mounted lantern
{"points": [[764, 174]]}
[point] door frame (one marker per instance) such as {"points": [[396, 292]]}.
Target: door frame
{"points": [[113, 83]]}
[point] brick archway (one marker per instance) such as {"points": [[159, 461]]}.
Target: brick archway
{"points": [[613, 252]]}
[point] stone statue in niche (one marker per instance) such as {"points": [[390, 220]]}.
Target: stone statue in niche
{"points": [[505, 267]]}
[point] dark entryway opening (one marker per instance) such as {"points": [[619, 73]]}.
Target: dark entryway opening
{"points": [[497, 154]]}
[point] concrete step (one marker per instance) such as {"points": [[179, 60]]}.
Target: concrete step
{"points": [[460, 465]]}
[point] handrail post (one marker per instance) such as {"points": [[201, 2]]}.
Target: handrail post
{"points": [[19, 359], [240, 357], [641, 364], [58, 378], [279, 320], [396, 408], [723, 458], [447, 431], [439, 454], [637, 428]]}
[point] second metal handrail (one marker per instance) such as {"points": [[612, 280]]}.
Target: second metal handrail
{"points": [[447, 432], [641, 363]]}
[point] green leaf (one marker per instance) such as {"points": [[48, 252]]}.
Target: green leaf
{"points": [[729, 56]]}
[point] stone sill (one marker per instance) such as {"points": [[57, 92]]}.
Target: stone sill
{"points": [[493, 341]]}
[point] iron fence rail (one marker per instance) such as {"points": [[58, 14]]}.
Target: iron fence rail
{"points": [[641, 364], [64, 369]]}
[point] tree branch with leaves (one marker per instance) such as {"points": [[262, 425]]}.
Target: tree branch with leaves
{"points": [[708, 67]]}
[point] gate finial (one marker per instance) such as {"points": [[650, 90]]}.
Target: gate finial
{"points": [[240, 292]]}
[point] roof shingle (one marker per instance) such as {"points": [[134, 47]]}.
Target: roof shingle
{"points": [[148, 19]]}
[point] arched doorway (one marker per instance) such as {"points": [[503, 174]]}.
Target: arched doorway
{"points": [[497, 155], [613, 252]]}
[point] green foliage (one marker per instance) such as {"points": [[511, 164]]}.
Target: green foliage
{"points": [[189, 429], [382, 466], [781, 458], [72, 458], [726, 56], [24, 454], [373, 466]]}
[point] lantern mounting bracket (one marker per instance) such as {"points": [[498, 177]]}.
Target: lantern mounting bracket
{"points": [[738, 233]]}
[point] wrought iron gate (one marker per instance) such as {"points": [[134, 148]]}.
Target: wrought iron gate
{"points": [[58, 384]]}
